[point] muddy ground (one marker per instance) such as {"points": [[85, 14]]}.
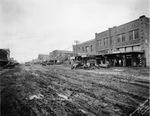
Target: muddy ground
{"points": [[56, 90]]}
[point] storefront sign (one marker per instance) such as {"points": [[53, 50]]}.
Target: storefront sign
{"points": [[116, 52], [103, 52]]}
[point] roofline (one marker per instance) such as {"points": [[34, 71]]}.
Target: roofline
{"points": [[86, 41], [143, 16]]}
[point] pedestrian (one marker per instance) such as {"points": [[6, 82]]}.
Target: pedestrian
{"points": [[115, 61], [107, 62], [124, 62], [72, 62], [119, 62]]}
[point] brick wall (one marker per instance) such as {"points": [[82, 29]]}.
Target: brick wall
{"points": [[141, 26], [82, 48]]}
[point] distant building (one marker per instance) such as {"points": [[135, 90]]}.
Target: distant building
{"points": [[4, 56], [35, 61], [127, 44], [60, 55], [43, 57], [85, 48]]}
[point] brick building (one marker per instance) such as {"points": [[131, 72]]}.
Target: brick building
{"points": [[124, 45], [86, 48], [43, 57], [4, 56], [60, 55]]}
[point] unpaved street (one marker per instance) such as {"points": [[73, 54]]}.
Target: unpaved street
{"points": [[56, 90]]}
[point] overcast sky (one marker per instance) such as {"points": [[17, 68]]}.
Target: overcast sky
{"points": [[32, 27]]}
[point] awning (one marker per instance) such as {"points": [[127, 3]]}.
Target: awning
{"points": [[83, 56], [124, 52]]}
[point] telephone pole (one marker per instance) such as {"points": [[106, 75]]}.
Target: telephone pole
{"points": [[76, 44]]}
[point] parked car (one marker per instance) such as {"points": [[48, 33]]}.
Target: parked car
{"points": [[27, 63], [76, 64]]}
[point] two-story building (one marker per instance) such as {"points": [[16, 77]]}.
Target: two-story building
{"points": [[124, 45], [43, 57], [60, 55], [85, 50], [4, 56]]}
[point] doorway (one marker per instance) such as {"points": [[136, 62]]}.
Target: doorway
{"points": [[129, 60]]}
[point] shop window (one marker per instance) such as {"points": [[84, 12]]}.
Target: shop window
{"points": [[122, 49], [128, 49], [136, 48]]}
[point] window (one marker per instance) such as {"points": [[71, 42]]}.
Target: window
{"points": [[99, 43], [106, 41], [123, 37], [91, 48], [83, 49], [119, 38], [130, 35], [111, 40], [87, 48], [74, 50], [136, 34]]}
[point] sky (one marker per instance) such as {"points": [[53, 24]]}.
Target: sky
{"points": [[32, 27]]}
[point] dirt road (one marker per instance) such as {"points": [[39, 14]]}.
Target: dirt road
{"points": [[56, 90]]}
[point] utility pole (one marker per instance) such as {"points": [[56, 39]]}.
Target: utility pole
{"points": [[76, 44]]}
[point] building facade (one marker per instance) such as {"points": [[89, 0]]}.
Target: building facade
{"points": [[86, 48], [124, 45], [43, 57], [4, 56], [60, 55]]}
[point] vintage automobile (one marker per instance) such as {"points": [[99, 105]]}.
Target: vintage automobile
{"points": [[76, 65]]}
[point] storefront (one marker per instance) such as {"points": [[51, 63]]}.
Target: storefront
{"points": [[125, 59]]}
